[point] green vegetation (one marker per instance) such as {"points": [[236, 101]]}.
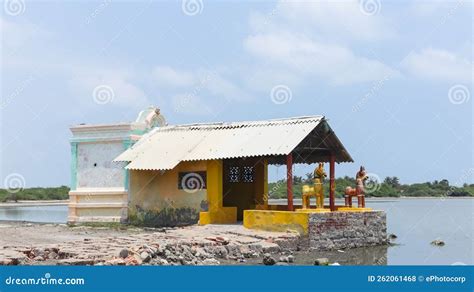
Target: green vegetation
{"points": [[59, 193], [390, 187]]}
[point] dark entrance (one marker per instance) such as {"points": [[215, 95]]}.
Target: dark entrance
{"points": [[243, 184]]}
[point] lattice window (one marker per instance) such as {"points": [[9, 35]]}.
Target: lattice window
{"points": [[248, 174], [234, 174]]}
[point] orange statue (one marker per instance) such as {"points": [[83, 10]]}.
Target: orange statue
{"points": [[359, 190]]}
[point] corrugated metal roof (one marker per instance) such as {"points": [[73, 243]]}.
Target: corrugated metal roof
{"points": [[165, 147]]}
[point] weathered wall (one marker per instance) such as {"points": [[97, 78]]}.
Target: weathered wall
{"points": [[339, 230], [155, 199], [95, 168]]}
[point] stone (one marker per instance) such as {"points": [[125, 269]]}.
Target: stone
{"points": [[222, 240], [211, 262], [333, 231], [162, 262], [291, 259], [76, 262], [438, 242], [321, 262], [123, 253], [283, 259], [268, 260], [52, 255], [145, 257]]}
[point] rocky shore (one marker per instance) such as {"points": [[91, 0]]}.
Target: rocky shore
{"points": [[59, 244]]}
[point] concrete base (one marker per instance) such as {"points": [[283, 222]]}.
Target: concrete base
{"points": [[340, 230], [324, 230]]}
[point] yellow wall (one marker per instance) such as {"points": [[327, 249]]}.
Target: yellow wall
{"points": [[281, 221], [155, 199], [217, 213]]}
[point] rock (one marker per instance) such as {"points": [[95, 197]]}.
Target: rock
{"points": [[52, 255], [211, 262], [246, 251], [162, 262], [145, 257], [321, 262], [283, 259], [270, 247], [222, 240], [115, 262], [123, 253], [75, 262], [268, 260], [37, 252], [133, 260], [281, 264], [438, 242], [335, 264], [291, 259], [39, 258]]}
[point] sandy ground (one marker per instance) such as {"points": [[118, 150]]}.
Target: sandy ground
{"points": [[32, 243]]}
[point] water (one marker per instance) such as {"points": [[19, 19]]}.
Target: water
{"points": [[416, 222], [42, 214]]}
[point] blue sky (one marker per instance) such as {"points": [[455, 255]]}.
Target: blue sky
{"points": [[394, 78]]}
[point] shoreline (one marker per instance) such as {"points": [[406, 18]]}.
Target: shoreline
{"points": [[34, 203]]}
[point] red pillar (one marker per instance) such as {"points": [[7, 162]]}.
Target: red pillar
{"points": [[332, 185], [289, 181]]}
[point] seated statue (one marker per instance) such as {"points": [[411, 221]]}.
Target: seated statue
{"points": [[316, 190]]}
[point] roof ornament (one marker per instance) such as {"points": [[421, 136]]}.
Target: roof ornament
{"points": [[151, 117]]}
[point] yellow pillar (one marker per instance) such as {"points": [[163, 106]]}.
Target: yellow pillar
{"points": [[216, 213]]}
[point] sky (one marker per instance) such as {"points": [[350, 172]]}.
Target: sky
{"points": [[393, 78]]}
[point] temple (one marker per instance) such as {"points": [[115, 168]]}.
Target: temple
{"points": [[154, 174]]}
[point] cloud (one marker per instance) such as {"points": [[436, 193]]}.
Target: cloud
{"points": [[120, 90], [341, 19], [30, 48], [296, 42], [16, 35], [303, 55], [167, 76], [198, 82], [435, 64], [191, 104]]}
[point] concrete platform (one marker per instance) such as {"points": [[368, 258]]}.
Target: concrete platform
{"points": [[340, 229]]}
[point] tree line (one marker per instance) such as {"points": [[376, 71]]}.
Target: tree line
{"points": [[389, 187]]}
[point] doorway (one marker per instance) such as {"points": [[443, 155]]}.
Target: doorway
{"points": [[243, 181]]}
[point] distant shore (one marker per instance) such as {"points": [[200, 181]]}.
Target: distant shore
{"points": [[33, 203]]}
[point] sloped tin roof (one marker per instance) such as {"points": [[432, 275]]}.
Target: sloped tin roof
{"points": [[165, 147]]}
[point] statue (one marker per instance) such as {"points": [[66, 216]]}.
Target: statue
{"points": [[151, 118], [317, 190], [359, 190]]}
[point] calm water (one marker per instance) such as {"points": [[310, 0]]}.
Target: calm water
{"points": [[416, 222], [43, 214]]}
